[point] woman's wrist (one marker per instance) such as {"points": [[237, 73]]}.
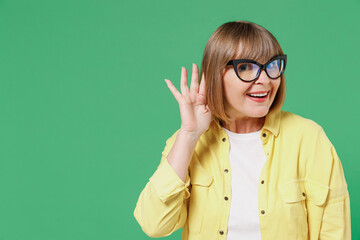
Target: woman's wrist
{"points": [[190, 136]]}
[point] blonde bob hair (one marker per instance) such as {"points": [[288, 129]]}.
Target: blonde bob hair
{"points": [[234, 40]]}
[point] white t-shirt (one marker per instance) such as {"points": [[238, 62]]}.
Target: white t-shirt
{"points": [[247, 159]]}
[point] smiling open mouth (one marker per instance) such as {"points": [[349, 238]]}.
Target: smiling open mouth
{"points": [[258, 95]]}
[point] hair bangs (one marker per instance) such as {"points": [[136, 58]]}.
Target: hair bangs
{"points": [[257, 46]]}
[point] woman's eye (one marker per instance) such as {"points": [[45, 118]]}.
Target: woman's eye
{"points": [[273, 64], [244, 67]]}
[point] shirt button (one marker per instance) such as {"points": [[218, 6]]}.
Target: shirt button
{"points": [[221, 232], [262, 211], [262, 182], [226, 198], [226, 170], [224, 139], [264, 134], [303, 194]]}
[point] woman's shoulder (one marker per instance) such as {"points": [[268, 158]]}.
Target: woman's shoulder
{"points": [[302, 127], [295, 121]]}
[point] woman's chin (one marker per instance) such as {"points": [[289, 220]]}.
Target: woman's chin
{"points": [[259, 112]]}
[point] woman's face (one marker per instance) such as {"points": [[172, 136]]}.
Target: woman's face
{"points": [[238, 102]]}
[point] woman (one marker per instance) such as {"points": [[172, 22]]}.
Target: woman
{"points": [[239, 167]]}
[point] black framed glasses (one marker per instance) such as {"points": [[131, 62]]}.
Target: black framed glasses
{"points": [[249, 70]]}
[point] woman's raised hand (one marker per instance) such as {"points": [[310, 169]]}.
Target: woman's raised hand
{"points": [[195, 113]]}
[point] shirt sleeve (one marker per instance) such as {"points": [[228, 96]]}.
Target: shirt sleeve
{"points": [[336, 220], [328, 201], [162, 205]]}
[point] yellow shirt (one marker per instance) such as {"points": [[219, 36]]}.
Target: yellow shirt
{"points": [[302, 190]]}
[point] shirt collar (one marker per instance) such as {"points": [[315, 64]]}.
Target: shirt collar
{"points": [[272, 122]]}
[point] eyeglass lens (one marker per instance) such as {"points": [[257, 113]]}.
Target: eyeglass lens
{"points": [[249, 71]]}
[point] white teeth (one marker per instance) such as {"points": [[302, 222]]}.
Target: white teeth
{"points": [[258, 95]]}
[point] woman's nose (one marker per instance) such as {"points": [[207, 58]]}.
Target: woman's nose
{"points": [[263, 77]]}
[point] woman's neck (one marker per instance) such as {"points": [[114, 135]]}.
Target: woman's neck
{"points": [[245, 125]]}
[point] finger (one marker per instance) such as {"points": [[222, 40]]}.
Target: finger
{"points": [[202, 85], [174, 91], [194, 85], [183, 84]]}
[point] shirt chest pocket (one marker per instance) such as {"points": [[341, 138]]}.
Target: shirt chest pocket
{"points": [[292, 192], [297, 191], [294, 197], [201, 181], [292, 209]]}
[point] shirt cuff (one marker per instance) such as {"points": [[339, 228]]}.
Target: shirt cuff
{"points": [[167, 183]]}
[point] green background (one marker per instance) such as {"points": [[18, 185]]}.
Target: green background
{"points": [[85, 111]]}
